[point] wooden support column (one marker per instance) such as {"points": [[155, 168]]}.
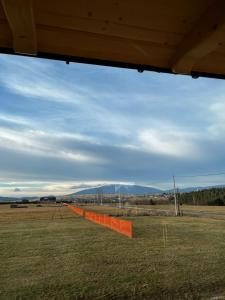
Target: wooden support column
{"points": [[207, 35], [20, 17]]}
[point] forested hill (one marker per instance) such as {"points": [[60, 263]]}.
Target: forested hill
{"points": [[212, 196]]}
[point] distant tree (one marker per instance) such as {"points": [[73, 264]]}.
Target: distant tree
{"points": [[213, 196]]}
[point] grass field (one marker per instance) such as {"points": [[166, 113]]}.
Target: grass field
{"points": [[50, 253], [216, 212]]}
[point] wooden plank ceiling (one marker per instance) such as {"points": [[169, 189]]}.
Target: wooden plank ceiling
{"points": [[174, 36]]}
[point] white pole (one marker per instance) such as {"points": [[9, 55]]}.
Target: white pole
{"points": [[101, 195], [119, 198], [175, 196]]}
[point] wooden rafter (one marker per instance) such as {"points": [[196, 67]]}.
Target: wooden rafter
{"points": [[206, 36], [20, 17]]}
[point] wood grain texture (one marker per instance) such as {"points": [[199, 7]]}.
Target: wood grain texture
{"points": [[20, 17]]}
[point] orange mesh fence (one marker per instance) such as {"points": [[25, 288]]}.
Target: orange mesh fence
{"points": [[107, 222], [77, 210], [116, 224]]}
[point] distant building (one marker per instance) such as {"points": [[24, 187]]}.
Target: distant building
{"points": [[48, 199]]}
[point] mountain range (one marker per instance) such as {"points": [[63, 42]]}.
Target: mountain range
{"points": [[8, 199], [123, 189]]}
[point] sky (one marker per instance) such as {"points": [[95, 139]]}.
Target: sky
{"points": [[64, 127]]}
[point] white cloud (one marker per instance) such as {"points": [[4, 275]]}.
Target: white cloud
{"points": [[14, 119], [40, 87], [216, 116], [41, 81], [103, 117], [166, 139], [32, 141], [43, 188], [167, 142]]}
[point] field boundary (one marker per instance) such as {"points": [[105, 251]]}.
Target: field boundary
{"points": [[76, 210], [116, 224]]}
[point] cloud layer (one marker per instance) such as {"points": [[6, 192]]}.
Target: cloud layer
{"points": [[63, 126]]}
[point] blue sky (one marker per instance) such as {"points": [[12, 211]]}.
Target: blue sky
{"points": [[62, 126]]}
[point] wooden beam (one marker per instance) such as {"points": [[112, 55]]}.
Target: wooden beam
{"points": [[206, 36], [20, 17]]}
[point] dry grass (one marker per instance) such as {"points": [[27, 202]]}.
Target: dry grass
{"points": [[50, 253], [216, 212], [187, 207]]}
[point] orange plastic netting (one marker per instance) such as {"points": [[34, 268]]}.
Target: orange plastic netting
{"points": [[77, 210], [116, 224]]}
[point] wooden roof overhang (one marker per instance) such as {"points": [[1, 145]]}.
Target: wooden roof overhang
{"points": [[171, 36]]}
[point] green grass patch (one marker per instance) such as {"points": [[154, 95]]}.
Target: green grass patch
{"points": [[50, 253]]}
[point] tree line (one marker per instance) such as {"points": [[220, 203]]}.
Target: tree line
{"points": [[211, 196]]}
